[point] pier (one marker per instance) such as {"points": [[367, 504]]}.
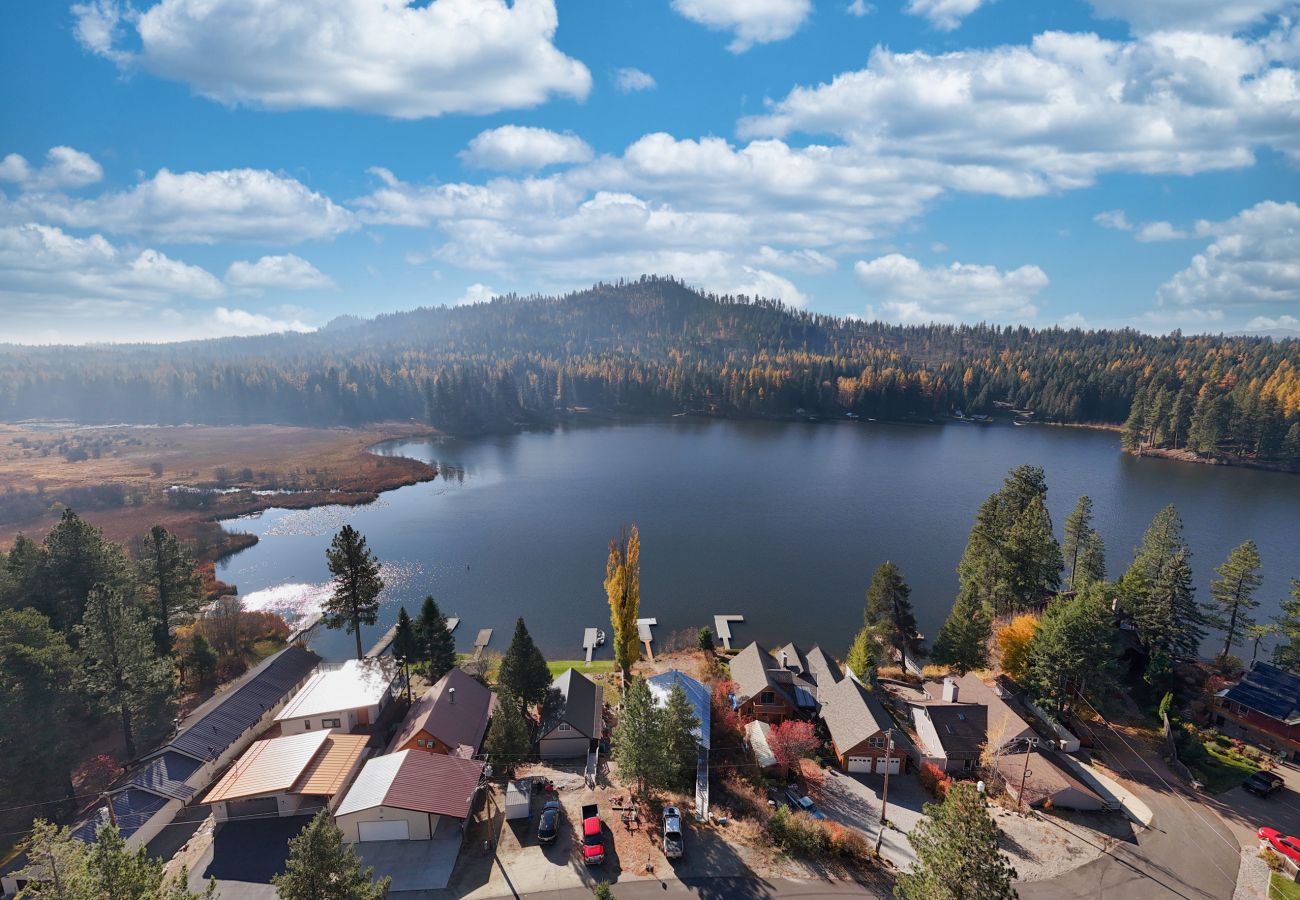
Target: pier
{"points": [[722, 628], [643, 627], [589, 642], [481, 642], [381, 646]]}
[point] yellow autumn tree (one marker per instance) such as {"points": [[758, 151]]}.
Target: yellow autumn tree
{"points": [[623, 587], [1012, 642]]}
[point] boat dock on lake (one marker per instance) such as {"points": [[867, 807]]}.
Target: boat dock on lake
{"points": [[722, 628], [643, 627]]}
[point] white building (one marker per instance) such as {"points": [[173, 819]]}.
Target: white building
{"points": [[404, 795], [339, 698]]}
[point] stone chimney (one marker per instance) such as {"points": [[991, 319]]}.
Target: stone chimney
{"points": [[950, 690]]}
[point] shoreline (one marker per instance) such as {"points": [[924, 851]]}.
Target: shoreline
{"points": [[1187, 456]]}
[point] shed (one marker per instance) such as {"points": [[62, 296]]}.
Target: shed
{"points": [[756, 733], [342, 698], [402, 796], [518, 800]]}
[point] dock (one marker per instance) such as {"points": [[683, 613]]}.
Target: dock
{"points": [[381, 646], [643, 627], [452, 622], [481, 642], [304, 628], [589, 642], [722, 628]]}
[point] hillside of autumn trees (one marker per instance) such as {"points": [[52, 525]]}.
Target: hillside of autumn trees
{"points": [[655, 346]]}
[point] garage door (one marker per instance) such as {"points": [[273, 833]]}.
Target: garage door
{"points": [[396, 830], [894, 763], [859, 764]]}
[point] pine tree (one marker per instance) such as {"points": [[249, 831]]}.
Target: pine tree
{"points": [[435, 644], [636, 745], [77, 559], [1169, 621], [66, 868], [1161, 544], [889, 612], [1135, 425], [963, 639], [1085, 560], [679, 722], [523, 673], [623, 587], [122, 667], [405, 647], [1233, 594], [1287, 651], [1257, 633], [170, 579], [957, 853], [507, 742], [322, 867], [354, 601], [861, 656], [1072, 648], [201, 660]]}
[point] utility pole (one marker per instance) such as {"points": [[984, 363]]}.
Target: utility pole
{"points": [[884, 799], [1030, 744]]}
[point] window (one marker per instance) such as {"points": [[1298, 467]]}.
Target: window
{"points": [[330, 723], [876, 741], [419, 742], [306, 724], [564, 726], [767, 698]]}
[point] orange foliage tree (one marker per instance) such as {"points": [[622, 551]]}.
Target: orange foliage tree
{"points": [[1012, 643]]}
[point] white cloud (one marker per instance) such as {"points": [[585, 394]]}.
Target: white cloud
{"points": [[751, 21], [288, 272], [909, 292], [945, 15], [1113, 218], [475, 293], [1191, 15], [1053, 115], [248, 205], [514, 147], [64, 168], [1159, 231], [860, 8], [1255, 258], [41, 264], [793, 260], [1074, 320], [389, 57], [760, 283], [1281, 323], [225, 322], [629, 80]]}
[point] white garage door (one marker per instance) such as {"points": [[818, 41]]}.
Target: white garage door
{"points": [[859, 764], [894, 762], [397, 830]]}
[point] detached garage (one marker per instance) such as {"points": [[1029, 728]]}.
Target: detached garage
{"points": [[288, 776], [403, 796]]}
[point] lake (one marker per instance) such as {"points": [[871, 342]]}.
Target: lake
{"points": [[780, 522]]}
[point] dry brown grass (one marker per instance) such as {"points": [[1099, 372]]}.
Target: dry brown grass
{"points": [[328, 465]]}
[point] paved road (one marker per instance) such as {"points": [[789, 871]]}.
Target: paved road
{"points": [[726, 889]]}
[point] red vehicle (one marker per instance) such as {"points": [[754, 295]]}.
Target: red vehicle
{"points": [[593, 840], [1287, 845]]}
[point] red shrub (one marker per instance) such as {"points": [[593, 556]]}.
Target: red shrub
{"points": [[792, 741], [935, 781]]}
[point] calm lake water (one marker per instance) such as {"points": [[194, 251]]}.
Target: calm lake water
{"points": [[780, 522]]}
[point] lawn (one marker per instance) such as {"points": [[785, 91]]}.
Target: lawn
{"points": [[1282, 888], [597, 667], [1223, 769]]}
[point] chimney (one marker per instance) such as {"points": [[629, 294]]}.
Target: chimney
{"points": [[451, 692], [950, 690], [784, 656]]}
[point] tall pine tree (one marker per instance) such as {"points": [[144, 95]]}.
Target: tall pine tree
{"points": [[523, 673], [1233, 594], [170, 580], [322, 867], [957, 852], [354, 601], [962, 642], [1072, 648], [1084, 552], [1287, 651], [507, 742], [889, 612], [435, 644], [405, 647]]}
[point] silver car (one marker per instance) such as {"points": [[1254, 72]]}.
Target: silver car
{"points": [[674, 842]]}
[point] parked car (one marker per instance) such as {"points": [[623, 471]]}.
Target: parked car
{"points": [[801, 801], [1287, 845], [1262, 784], [674, 842], [548, 825], [593, 840]]}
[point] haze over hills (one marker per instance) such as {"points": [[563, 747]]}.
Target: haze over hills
{"points": [[651, 346]]}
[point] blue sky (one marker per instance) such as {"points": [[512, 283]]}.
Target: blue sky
{"points": [[190, 168]]}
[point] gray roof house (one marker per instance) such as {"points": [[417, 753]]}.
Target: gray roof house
{"points": [[771, 688], [572, 716], [861, 728]]}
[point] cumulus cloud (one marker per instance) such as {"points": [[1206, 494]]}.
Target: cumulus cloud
{"points": [[43, 264], [911, 293], [803, 260], [1113, 218], [1053, 115], [288, 272], [1254, 259], [520, 147], [945, 15], [860, 8], [1191, 15], [388, 57], [1159, 231], [629, 80], [750, 21], [248, 205], [475, 293], [1281, 323], [64, 168], [226, 322]]}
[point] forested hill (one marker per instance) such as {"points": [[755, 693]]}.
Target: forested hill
{"points": [[650, 346]]}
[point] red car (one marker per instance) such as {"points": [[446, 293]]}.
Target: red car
{"points": [[1287, 845], [593, 842]]}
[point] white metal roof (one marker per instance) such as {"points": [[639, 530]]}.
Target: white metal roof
{"points": [[371, 786], [355, 684]]}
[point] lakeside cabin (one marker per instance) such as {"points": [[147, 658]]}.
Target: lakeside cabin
{"points": [[344, 697]]}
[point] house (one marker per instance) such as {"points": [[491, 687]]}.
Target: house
{"points": [[861, 729], [451, 717], [771, 689], [951, 732], [216, 732], [403, 796], [1046, 781], [1005, 724], [1264, 706], [698, 695], [756, 734], [292, 775], [572, 717], [343, 697]]}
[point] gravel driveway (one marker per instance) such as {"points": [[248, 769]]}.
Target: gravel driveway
{"points": [[854, 800]]}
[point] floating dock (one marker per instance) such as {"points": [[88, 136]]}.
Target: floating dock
{"points": [[589, 642], [722, 628], [481, 642], [452, 622], [643, 627]]}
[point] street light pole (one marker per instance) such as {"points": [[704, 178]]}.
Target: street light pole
{"points": [[884, 799]]}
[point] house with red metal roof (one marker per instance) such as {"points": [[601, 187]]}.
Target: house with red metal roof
{"points": [[405, 795]]}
